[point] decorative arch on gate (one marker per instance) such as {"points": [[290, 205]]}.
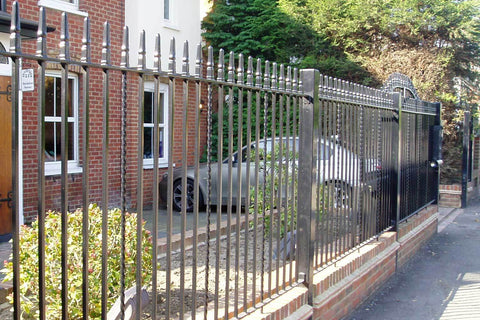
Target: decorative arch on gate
{"points": [[398, 82]]}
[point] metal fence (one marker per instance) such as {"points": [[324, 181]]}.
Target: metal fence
{"points": [[369, 160], [297, 170]]}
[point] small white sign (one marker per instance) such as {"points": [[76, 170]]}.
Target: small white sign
{"points": [[28, 83]]}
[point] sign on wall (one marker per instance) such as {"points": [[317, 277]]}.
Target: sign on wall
{"points": [[27, 80]]}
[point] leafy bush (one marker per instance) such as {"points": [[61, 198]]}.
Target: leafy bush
{"points": [[270, 190], [29, 262]]}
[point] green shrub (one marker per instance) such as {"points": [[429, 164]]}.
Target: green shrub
{"points": [[29, 262], [271, 189]]}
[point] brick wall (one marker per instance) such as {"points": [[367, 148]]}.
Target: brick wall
{"points": [[450, 196]]}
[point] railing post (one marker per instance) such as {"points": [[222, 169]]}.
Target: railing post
{"points": [[465, 151], [309, 111], [397, 160], [438, 152]]}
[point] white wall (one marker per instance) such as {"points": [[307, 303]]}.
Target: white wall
{"points": [[148, 15]]}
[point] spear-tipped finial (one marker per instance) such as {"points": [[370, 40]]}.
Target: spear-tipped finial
{"points": [[15, 40], [142, 52], [185, 60], [240, 69], [157, 55], [198, 61], [231, 67], [125, 59], [250, 71], [86, 41], [171, 57], [64, 39], [210, 75], [221, 66], [258, 74], [266, 76], [42, 34]]}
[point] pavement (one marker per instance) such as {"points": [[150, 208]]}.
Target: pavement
{"points": [[442, 281]]}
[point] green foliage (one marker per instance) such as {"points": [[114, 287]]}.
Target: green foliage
{"points": [[28, 259], [262, 29], [281, 173]]}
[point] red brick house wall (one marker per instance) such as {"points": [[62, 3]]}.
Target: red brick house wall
{"points": [[98, 12]]}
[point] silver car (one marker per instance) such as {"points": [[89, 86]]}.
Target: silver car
{"points": [[337, 168]]}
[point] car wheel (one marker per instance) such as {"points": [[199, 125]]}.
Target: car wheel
{"points": [[190, 198]]}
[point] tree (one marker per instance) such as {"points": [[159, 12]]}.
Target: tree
{"points": [[261, 29], [431, 41]]}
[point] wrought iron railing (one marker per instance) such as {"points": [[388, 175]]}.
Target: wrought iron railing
{"points": [[292, 171]]}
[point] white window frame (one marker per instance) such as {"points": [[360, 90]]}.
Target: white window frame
{"points": [[171, 22], [63, 5], [54, 167], [163, 161]]}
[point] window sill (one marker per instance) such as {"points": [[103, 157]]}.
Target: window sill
{"points": [[62, 6], [57, 171], [169, 25], [161, 165]]}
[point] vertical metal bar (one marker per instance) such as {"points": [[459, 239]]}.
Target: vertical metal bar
{"points": [[465, 145], [258, 104], [210, 76], [306, 182], [86, 57], [266, 85], [157, 104], [198, 92], [318, 208], [282, 159], [141, 65], [325, 146], [437, 121], [296, 88], [185, 187], [15, 47], [64, 57], [220, 80], [248, 143], [273, 215], [397, 103], [171, 114], [106, 61], [240, 157], [290, 176], [41, 52], [230, 79]]}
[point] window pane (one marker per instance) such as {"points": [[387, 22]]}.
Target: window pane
{"points": [[53, 126], [148, 115], [49, 96], [161, 143], [161, 108], [166, 9], [50, 145], [70, 97], [148, 141], [58, 96]]}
